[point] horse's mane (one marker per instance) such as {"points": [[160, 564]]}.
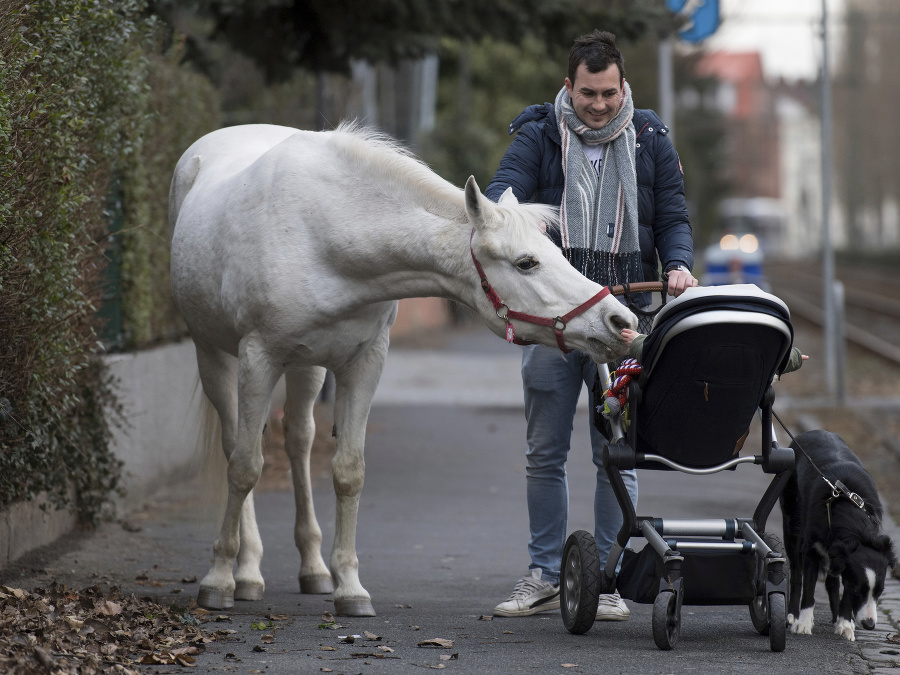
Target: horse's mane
{"points": [[388, 160]]}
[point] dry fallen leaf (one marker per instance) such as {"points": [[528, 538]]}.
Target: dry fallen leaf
{"points": [[325, 670], [267, 639], [385, 648], [485, 617], [279, 617], [569, 665], [109, 608], [508, 632], [449, 657], [186, 660], [436, 642], [328, 649], [438, 666], [371, 636], [327, 617]]}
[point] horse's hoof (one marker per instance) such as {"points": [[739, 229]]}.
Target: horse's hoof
{"points": [[316, 583], [213, 598], [248, 590], [353, 607]]}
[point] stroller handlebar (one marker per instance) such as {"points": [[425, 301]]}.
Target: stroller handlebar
{"points": [[640, 287]]}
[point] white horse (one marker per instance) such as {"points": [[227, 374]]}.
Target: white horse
{"points": [[289, 253]]}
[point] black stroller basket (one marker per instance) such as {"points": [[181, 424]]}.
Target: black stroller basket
{"points": [[707, 369]]}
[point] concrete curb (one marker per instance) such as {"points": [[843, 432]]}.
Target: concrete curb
{"points": [[157, 446], [25, 526]]}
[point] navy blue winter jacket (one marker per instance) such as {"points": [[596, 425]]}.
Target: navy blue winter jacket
{"points": [[532, 167]]}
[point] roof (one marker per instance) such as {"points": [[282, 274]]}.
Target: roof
{"points": [[734, 67]]}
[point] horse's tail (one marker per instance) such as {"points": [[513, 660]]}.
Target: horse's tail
{"points": [[210, 461], [209, 457]]}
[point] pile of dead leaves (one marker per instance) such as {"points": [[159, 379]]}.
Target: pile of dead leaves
{"points": [[65, 632]]}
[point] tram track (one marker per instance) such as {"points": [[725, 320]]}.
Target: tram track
{"points": [[871, 303]]}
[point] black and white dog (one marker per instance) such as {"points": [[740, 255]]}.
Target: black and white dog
{"points": [[834, 534]]}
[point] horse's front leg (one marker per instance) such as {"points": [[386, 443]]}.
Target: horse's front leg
{"points": [[355, 387], [256, 380], [303, 387]]}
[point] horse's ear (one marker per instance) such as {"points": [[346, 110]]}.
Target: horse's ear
{"points": [[474, 207], [508, 197]]}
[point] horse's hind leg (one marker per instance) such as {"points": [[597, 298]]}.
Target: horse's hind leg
{"points": [[252, 378], [353, 398], [303, 387]]}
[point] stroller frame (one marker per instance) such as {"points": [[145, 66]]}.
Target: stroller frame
{"points": [[677, 545]]}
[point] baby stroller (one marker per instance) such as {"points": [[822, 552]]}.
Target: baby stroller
{"points": [[707, 368]]}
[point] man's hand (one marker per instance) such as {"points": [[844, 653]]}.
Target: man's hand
{"points": [[679, 281]]}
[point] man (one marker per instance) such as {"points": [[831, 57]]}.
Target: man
{"points": [[616, 177]]}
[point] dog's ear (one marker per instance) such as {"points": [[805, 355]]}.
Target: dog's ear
{"points": [[884, 545]]}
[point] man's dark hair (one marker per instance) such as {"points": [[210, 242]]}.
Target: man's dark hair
{"points": [[597, 51]]}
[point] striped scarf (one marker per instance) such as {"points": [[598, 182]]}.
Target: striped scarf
{"points": [[599, 214]]}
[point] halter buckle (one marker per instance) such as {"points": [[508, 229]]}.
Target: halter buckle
{"points": [[559, 324], [505, 314]]}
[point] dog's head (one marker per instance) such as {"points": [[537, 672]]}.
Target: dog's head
{"points": [[862, 567]]}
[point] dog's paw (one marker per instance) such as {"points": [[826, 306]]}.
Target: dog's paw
{"points": [[803, 625], [790, 619], [845, 629]]}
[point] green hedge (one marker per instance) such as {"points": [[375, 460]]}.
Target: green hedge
{"points": [[80, 93], [184, 106]]}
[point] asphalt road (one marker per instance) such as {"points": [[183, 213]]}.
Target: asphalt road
{"points": [[442, 535]]}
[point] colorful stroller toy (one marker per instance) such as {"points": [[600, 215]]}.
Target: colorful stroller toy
{"points": [[706, 369]]}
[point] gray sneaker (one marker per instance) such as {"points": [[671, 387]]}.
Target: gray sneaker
{"points": [[530, 596], [612, 608]]}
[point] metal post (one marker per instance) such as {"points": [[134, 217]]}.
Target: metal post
{"points": [[840, 340], [666, 85], [827, 251]]}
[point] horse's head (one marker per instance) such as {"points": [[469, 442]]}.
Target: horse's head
{"points": [[529, 275]]}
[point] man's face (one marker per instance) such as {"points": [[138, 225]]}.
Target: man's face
{"points": [[596, 97]]}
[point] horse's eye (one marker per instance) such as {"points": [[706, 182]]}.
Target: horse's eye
{"points": [[526, 263]]}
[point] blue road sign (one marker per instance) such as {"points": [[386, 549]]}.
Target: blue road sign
{"points": [[703, 14]]}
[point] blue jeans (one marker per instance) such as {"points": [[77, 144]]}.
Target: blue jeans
{"points": [[552, 382]]}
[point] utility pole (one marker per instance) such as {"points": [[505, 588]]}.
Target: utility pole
{"points": [[833, 369], [666, 85]]}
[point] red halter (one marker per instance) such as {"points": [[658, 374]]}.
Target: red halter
{"points": [[558, 324]]}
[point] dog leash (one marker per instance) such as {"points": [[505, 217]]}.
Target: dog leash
{"points": [[838, 489]]}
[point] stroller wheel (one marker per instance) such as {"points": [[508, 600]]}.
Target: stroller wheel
{"points": [[778, 627], [666, 620], [579, 584], [758, 614]]}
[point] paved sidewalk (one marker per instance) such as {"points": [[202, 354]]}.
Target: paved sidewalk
{"points": [[442, 532], [464, 375]]}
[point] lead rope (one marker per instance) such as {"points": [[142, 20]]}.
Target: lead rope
{"points": [[838, 489]]}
